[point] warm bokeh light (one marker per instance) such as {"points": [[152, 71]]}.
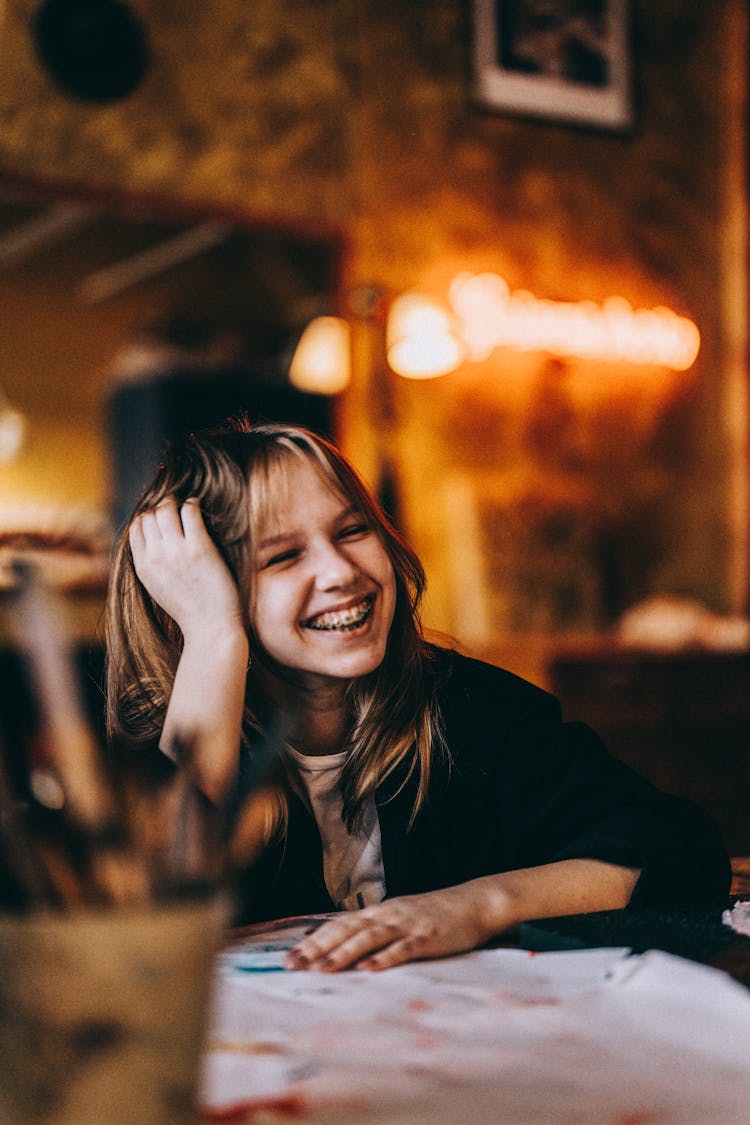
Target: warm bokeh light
{"points": [[12, 433], [489, 315], [321, 363], [421, 338]]}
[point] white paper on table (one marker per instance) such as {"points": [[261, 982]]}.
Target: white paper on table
{"points": [[592, 1037]]}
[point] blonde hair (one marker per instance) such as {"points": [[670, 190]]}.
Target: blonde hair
{"points": [[235, 474]]}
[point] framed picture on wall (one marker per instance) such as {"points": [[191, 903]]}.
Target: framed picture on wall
{"points": [[561, 60]]}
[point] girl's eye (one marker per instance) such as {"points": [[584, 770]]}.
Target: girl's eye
{"points": [[282, 557], [354, 530]]}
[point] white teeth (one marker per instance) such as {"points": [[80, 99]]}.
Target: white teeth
{"points": [[346, 619]]}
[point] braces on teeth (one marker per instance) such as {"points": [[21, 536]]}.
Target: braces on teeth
{"points": [[349, 619]]}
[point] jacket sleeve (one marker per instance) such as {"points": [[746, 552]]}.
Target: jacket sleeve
{"points": [[527, 788], [573, 800]]}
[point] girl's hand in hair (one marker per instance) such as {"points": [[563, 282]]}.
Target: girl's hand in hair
{"points": [[180, 567]]}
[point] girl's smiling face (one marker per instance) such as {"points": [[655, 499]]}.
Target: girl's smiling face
{"points": [[324, 589]]}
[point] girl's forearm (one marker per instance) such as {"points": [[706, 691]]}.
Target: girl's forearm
{"points": [[462, 917], [206, 706], [571, 886]]}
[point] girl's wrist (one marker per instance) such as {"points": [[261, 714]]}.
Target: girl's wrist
{"points": [[501, 907], [217, 637]]}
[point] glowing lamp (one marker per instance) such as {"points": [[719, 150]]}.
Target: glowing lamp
{"points": [[421, 338], [490, 316], [321, 363], [12, 430]]}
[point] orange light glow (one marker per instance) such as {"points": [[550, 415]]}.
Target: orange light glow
{"points": [[321, 363], [488, 315], [422, 341], [12, 434]]}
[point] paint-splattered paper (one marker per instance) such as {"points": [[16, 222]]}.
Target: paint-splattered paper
{"points": [[494, 1037]]}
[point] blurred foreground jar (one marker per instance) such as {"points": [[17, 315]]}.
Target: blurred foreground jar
{"points": [[103, 1013]]}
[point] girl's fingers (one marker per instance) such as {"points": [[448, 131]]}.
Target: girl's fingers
{"points": [[397, 953], [340, 947], [167, 518], [370, 950], [351, 951], [193, 524], [145, 539], [408, 928], [145, 530], [135, 536], [167, 522]]}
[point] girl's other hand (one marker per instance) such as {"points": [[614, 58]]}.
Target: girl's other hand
{"points": [[454, 920], [411, 928], [181, 568]]}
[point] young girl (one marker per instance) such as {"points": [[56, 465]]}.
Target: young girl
{"points": [[433, 800]]}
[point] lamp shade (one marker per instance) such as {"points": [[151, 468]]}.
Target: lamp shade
{"points": [[321, 363], [12, 430], [421, 338]]}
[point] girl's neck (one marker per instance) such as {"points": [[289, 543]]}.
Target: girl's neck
{"points": [[320, 734], [321, 721]]}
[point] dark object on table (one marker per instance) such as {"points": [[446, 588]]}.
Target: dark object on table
{"points": [[694, 932]]}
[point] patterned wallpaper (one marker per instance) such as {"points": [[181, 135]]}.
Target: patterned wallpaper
{"points": [[360, 114]]}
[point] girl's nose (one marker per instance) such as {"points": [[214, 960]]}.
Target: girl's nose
{"points": [[333, 567]]}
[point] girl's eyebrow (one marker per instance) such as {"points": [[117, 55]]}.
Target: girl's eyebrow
{"points": [[272, 540], [284, 536]]}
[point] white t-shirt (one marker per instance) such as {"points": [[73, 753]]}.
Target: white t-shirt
{"points": [[352, 865]]}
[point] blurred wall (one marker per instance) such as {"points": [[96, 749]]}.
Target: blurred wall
{"points": [[543, 498]]}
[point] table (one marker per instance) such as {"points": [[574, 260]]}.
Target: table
{"points": [[500, 1036]]}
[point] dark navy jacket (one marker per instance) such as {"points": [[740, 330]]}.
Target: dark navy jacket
{"points": [[523, 788]]}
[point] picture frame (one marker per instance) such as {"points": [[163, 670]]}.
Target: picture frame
{"points": [[558, 60]]}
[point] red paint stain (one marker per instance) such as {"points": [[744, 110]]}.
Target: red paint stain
{"points": [[289, 1105], [419, 1006], [427, 1042]]}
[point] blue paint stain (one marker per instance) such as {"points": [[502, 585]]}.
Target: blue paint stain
{"points": [[258, 969]]}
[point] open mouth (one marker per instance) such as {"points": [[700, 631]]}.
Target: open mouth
{"points": [[342, 621]]}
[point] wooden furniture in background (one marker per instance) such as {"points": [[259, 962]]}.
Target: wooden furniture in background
{"points": [[680, 718]]}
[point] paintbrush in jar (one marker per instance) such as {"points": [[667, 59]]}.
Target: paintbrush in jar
{"points": [[21, 860], [66, 774], [251, 809], [174, 827]]}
